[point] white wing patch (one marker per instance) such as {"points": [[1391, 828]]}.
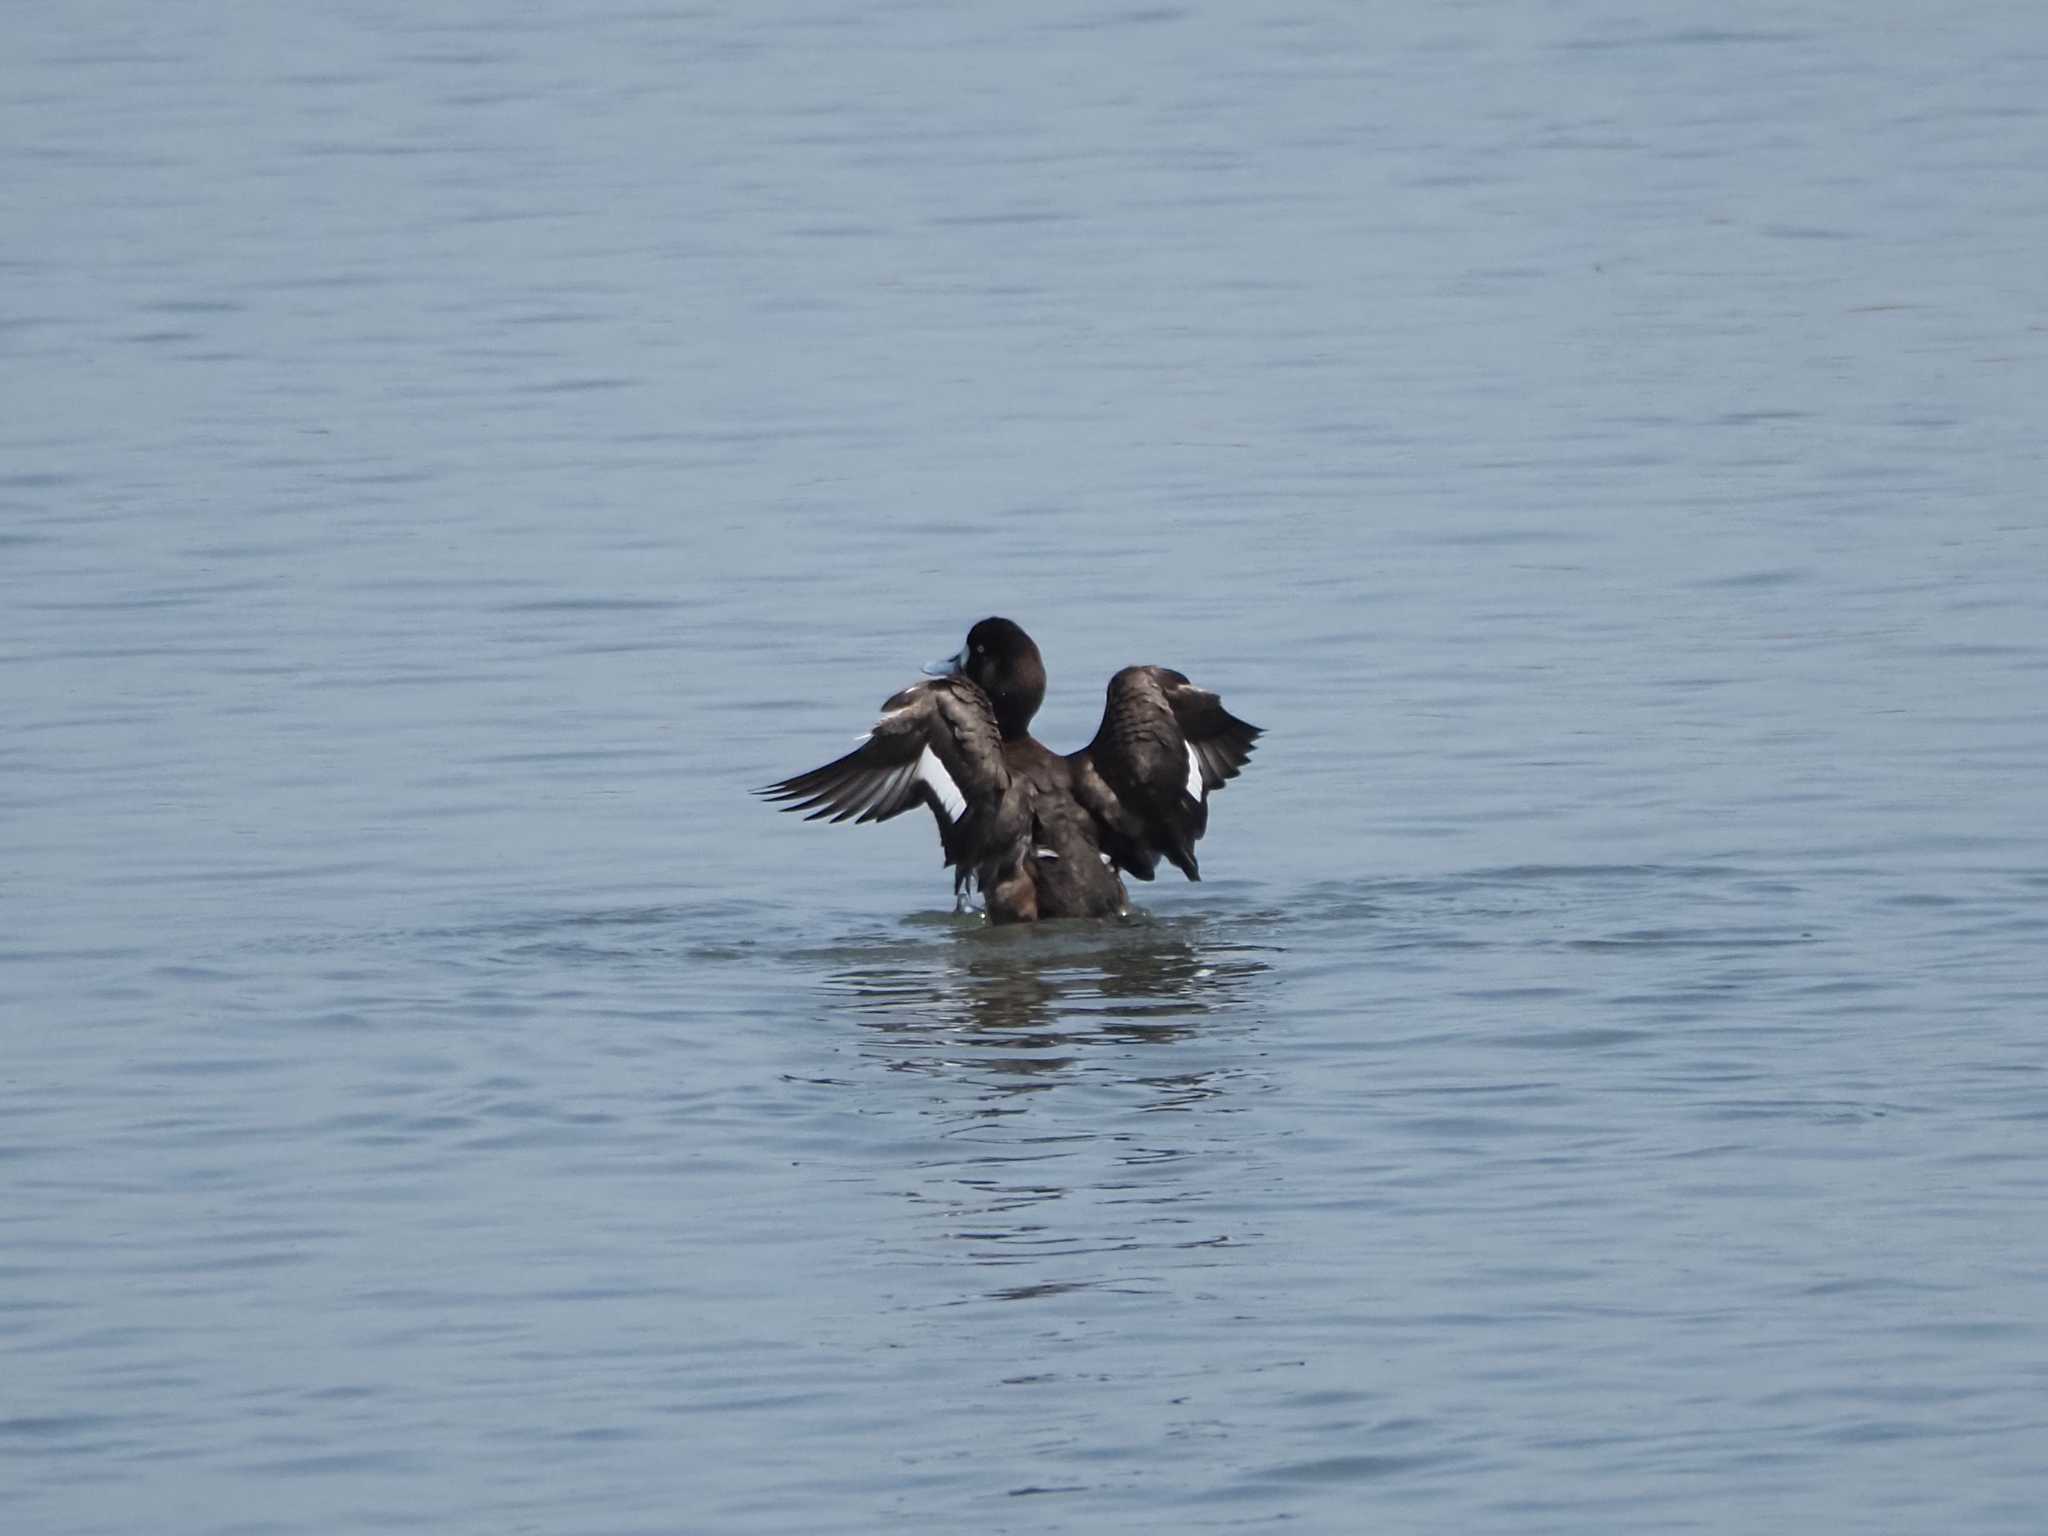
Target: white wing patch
{"points": [[932, 772], [1194, 773]]}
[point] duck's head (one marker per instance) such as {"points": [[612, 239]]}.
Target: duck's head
{"points": [[1004, 662]]}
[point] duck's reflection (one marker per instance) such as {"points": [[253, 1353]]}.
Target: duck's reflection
{"points": [[1080, 1084], [1017, 1004]]}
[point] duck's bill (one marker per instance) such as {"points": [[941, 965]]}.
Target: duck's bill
{"points": [[950, 667]]}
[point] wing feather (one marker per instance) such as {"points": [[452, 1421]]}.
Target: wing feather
{"points": [[1163, 746], [936, 744]]}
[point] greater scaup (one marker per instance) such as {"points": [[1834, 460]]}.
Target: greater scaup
{"points": [[1042, 835]]}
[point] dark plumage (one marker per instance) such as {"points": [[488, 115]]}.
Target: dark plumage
{"points": [[1043, 835], [1163, 745], [937, 744]]}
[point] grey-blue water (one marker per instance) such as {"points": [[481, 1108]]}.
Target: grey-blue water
{"points": [[450, 453]]}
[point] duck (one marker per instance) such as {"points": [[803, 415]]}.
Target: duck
{"points": [[1041, 834]]}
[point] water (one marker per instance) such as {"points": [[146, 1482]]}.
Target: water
{"points": [[449, 455]]}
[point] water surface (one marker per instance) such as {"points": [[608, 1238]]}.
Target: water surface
{"points": [[449, 457]]}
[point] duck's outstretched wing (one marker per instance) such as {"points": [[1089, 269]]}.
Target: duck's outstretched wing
{"points": [[1162, 747], [937, 744]]}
